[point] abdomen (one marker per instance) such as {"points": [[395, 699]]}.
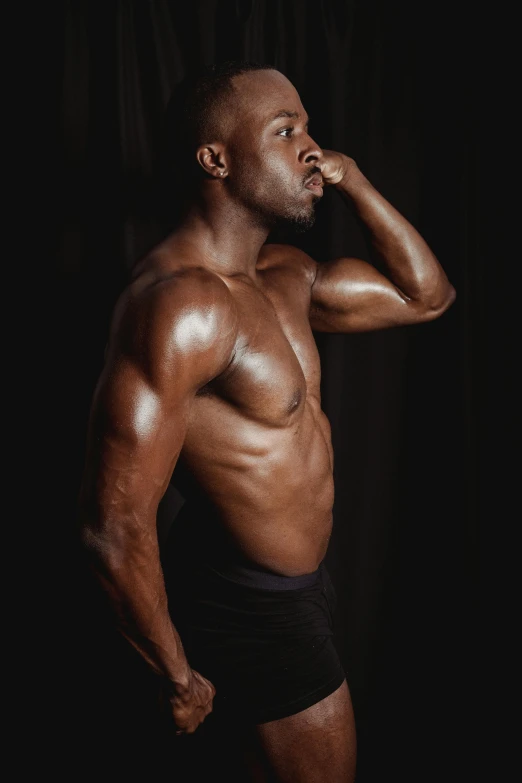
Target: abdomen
{"points": [[271, 487]]}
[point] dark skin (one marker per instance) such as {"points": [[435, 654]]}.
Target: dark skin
{"points": [[215, 308]]}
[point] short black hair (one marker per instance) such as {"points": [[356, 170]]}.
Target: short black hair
{"points": [[192, 115]]}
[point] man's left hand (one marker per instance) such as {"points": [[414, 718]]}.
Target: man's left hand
{"points": [[334, 166]]}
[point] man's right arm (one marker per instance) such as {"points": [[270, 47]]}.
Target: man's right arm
{"points": [[166, 345]]}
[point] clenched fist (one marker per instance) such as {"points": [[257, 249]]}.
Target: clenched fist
{"points": [[191, 703], [334, 166]]}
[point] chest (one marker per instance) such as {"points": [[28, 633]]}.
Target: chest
{"points": [[276, 362]]}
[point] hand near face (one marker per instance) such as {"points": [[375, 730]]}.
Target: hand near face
{"points": [[334, 166]]}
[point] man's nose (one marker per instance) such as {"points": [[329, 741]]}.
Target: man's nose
{"points": [[312, 152]]}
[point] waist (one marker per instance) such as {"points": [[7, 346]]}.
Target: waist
{"points": [[263, 579], [253, 551]]}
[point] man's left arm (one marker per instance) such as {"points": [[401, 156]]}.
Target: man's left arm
{"points": [[351, 295]]}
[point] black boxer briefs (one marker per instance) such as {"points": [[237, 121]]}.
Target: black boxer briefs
{"points": [[264, 640]]}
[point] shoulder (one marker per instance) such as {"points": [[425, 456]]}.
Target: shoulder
{"points": [[193, 291], [288, 259], [189, 312]]}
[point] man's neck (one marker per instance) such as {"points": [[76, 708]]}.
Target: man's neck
{"points": [[225, 237]]}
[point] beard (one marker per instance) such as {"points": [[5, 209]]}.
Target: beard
{"points": [[277, 208], [300, 222], [293, 215], [299, 219]]}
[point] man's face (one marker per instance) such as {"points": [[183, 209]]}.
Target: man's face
{"points": [[271, 155]]}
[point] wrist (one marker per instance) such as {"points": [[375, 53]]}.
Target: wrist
{"points": [[177, 685], [352, 178]]}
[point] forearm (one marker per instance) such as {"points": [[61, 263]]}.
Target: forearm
{"points": [[410, 263], [128, 570]]}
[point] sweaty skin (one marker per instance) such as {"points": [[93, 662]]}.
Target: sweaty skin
{"points": [[212, 361]]}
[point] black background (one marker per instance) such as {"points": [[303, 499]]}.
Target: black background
{"points": [[422, 417]]}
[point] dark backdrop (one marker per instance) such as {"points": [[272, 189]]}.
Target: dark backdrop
{"points": [[412, 93]]}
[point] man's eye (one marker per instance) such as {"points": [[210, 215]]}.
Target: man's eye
{"points": [[286, 132]]}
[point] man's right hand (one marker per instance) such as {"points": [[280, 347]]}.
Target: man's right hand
{"points": [[191, 703]]}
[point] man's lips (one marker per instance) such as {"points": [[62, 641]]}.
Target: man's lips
{"points": [[315, 184]]}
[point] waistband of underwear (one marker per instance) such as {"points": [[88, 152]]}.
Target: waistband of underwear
{"points": [[252, 576]]}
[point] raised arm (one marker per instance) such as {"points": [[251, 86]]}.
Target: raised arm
{"points": [[167, 342], [351, 295]]}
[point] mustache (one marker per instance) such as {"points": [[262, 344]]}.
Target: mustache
{"points": [[311, 172]]}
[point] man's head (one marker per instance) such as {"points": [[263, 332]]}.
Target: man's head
{"points": [[239, 130]]}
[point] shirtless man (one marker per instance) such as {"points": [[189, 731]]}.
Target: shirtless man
{"points": [[212, 366]]}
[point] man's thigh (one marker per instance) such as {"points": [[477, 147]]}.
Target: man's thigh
{"points": [[317, 745]]}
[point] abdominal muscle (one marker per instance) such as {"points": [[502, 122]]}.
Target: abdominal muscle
{"points": [[271, 486]]}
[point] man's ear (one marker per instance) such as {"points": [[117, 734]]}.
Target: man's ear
{"points": [[212, 159]]}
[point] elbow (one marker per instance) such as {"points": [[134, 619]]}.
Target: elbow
{"points": [[452, 295], [99, 539], [449, 298], [436, 307], [112, 542], [97, 550]]}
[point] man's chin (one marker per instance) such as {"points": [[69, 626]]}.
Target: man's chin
{"points": [[303, 222], [300, 227], [299, 222]]}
